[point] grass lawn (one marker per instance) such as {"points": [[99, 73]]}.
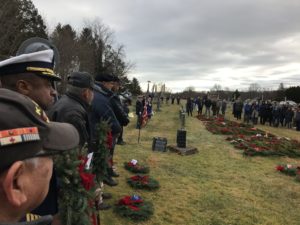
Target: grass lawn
{"points": [[216, 186]]}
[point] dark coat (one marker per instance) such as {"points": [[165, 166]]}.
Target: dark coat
{"points": [[118, 109], [139, 107], [289, 115], [297, 117], [71, 109], [102, 111], [208, 103]]}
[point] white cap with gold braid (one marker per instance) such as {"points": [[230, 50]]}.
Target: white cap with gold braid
{"points": [[40, 63]]}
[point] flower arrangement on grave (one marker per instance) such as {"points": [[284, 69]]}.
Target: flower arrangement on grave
{"points": [[289, 169], [134, 167], [266, 145], [143, 182], [134, 207], [76, 192], [204, 118], [220, 125]]}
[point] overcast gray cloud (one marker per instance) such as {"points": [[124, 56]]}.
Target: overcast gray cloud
{"points": [[197, 42]]}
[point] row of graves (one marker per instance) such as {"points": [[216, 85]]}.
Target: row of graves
{"points": [[255, 142]]}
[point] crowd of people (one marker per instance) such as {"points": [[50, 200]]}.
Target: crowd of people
{"points": [[206, 106], [37, 123], [263, 112], [267, 112]]}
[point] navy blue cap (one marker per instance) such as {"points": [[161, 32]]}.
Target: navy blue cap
{"points": [[105, 77]]}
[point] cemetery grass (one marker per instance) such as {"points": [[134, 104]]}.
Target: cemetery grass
{"points": [[216, 186]]}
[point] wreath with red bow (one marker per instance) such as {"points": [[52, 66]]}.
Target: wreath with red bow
{"points": [[289, 169], [143, 182], [134, 207], [136, 167], [76, 192]]}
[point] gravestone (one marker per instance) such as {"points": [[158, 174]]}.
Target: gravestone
{"points": [[159, 144], [181, 138], [181, 147]]}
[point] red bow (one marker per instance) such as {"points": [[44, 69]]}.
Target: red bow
{"points": [[87, 179], [142, 179], [127, 200]]}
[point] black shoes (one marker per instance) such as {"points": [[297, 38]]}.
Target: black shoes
{"points": [[110, 182], [114, 174], [106, 196], [103, 206], [121, 143]]}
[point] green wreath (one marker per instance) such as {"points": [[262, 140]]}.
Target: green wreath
{"points": [[134, 208], [143, 182], [288, 169], [101, 152], [136, 168], [76, 189]]}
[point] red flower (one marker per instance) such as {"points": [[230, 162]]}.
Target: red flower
{"points": [[280, 168], [142, 179], [224, 130], [87, 180], [221, 119], [82, 164]]}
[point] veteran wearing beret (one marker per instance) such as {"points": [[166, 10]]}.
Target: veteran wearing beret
{"points": [[27, 143]]}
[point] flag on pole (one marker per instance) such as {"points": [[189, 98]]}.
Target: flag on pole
{"points": [[144, 116]]}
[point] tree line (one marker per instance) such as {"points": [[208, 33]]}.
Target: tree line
{"points": [[254, 91], [92, 49]]}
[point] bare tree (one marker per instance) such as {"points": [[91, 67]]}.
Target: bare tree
{"points": [[280, 93], [103, 38], [254, 89], [190, 89], [97, 41], [216, 88]]}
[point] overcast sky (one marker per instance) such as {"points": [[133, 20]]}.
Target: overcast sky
{"points": [[197, 43]]}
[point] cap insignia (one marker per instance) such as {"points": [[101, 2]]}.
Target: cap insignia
{"points": [[45, 71]]}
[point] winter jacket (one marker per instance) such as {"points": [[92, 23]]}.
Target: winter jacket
{"points": [[118, 109], [71, 109], [102, 111], [139, 107], [207, 103]]}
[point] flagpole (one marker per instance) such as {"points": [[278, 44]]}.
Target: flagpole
{"points": [[139, 134], [140, 125]]}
